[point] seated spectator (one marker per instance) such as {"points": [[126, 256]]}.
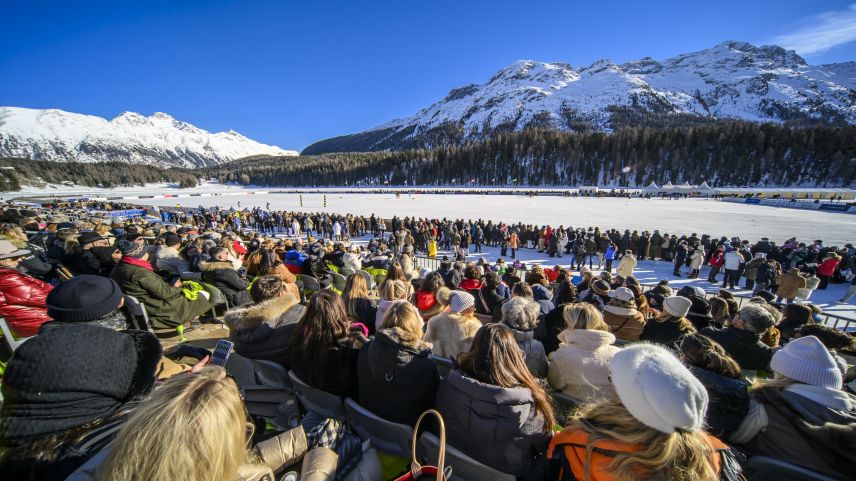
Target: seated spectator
{"points": [[624, 320], [352, 258], [397, 379], [432, 298], [471, 280], [270, 264], [728, 394], [359, 306], [168, 257], [554, 321], [720, 312], [802, 416], [263, 329], [831, 338], [794, 316], [22, 298], [742, 339], [165, 304], [495, 410], [67, 391], [652, 428], [96, 255], [220, 272], [657, 294], [451, 333], [671, 324], [597, 294], [536, 276], [580, 366], [396, 273], [323, 349], [390, 291], [520, 289], [202, 432], [520, 316], [488, 298], [543, 296]]}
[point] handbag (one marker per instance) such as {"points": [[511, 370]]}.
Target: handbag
{"points": [[424, 473]]}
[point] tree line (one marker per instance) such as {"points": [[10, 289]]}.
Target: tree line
{"points": [[15, 172]]}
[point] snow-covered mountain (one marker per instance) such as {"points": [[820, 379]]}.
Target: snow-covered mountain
{"points": [[159, 139], [733, 80]]}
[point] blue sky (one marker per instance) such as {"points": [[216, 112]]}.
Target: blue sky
{"points": [[293, 72]]}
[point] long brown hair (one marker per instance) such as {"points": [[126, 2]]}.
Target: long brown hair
{"points": [[355, 289], [323, 325], [704, 352], [495, 358], [395, 272]]}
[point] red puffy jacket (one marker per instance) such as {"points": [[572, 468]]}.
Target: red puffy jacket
{"points": [[827, 267], [22, 302]]}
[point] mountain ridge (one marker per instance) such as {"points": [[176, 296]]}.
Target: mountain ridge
{"points": [[158, 139], [730, 81]]}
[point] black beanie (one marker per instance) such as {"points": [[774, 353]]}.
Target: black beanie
{"points": [[71, 375], [83, 298], [170, 239]]}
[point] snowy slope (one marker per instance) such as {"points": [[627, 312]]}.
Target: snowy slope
{"points": [[731, 80], [57, 135]]}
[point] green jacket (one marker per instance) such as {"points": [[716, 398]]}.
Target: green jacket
{"points": [[166, 305]]}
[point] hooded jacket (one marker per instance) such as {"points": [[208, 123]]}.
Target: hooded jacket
{"points": [[397, 380], [580, 367], [496, 426], [536, 358], [624, 322], [262, 331], [227, 279]]}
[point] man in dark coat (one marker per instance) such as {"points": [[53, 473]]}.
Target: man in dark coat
{"points": [[220, 272], [742, 340]]}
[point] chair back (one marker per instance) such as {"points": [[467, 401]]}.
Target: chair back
{"points": [[10, 338], [386, 436], [444, 364], [464, 468], [346, 271], [762, 468], [218, 299], [138, 311], [370, 283], [310, 283], [339, 281], [316, 400], [266, 388]]}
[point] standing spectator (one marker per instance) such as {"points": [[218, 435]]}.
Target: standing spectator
{"points": [[732, 266], [789, 285], [826, 269], [627, 264]]}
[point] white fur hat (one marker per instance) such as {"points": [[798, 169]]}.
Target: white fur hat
{"points": [[677, 306], [461, 301], [807, 360], [657, 389], [622, 294]]}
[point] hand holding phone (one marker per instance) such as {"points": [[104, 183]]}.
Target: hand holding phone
{"points": [[222, 352]]}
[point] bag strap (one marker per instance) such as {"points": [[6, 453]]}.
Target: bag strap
{"points": [[415, 467], [626, 320], [483, 303]]}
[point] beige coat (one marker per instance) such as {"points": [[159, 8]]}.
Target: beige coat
{"points": [[625, 323], [697, 259], [790, 283], [451, 334], [626, 266], [580, 367]]}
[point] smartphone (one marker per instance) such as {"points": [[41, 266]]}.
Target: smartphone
{"points": [[222, 352]]}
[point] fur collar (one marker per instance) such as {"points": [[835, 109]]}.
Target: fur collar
{"points": [[216, 265], [401, 337], [272, 312], [621, 311]]}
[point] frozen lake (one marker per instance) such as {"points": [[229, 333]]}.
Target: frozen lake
{"points": [[685, 216]]}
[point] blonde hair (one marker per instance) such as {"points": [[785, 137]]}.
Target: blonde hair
{"points": [[582, 315], [392, 290], [683, 455], [193, 428], [405, 317]]}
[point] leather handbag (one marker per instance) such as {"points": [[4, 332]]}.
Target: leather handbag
{"points": [[419, 472]]}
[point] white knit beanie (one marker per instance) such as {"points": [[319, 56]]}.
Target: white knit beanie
{"points": [[806, 359], [677, 306], [461, 301], [657, 389]]}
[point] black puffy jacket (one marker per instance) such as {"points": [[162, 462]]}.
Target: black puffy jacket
{"points": [[728, 401], [224, 276]]}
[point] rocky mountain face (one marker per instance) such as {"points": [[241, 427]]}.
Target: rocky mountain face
{"points": [[159, 139], [733, 80]]}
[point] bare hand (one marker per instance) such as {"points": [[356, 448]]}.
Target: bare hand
{"points": [[199, 365], [177, 283]]}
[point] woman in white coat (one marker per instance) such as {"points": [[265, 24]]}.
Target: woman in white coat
{"points": [[627, 264]]}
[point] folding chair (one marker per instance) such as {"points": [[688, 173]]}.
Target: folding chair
{"points": [[10, 338], [444, 364], [316, 400], [310, 284], [346, 271], [218, 299], [564, 405], [267, 389], [464, 468], [370, 282], [138, 311], [386, 436], [339, 281]]}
